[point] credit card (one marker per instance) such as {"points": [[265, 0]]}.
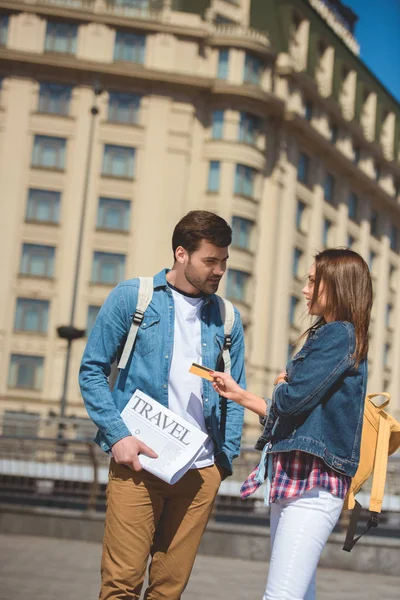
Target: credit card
{"points": [[201, 371]]}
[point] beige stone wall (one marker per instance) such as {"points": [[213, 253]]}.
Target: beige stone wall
{"points": [[174, 145]]}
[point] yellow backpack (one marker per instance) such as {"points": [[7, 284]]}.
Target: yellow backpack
{"points": [[380, 438]]}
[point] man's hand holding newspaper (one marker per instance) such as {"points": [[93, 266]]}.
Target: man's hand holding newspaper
{"points": [[162, 442]]}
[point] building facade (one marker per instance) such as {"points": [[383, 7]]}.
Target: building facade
{"points": [[116, 118]]}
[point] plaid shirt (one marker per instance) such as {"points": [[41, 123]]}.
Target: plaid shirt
{"points": [[296, 472]]}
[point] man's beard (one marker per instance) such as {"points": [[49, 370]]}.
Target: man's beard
{"points": [[205, 286]]}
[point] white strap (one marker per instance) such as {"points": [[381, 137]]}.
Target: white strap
{"points": [[145, 294], [227, 313]]}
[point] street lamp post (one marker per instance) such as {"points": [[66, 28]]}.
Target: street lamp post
{"points": [[70, 332]]}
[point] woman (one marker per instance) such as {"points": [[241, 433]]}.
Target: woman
{"points": [[312, 424]]}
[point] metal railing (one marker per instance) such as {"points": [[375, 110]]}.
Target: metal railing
{"points": [[54, 463]]}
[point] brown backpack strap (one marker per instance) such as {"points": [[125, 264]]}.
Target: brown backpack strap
{"points": [[380, 465]]}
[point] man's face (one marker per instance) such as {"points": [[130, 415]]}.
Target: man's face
{"points": [[205, 267]]}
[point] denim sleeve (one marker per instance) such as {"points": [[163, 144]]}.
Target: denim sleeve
{"points": [[105, 342], [327, 360], [235, 412]]}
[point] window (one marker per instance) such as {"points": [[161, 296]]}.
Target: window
{"points": [[244, 180], [297, 256], [308, 110], [326, 232], [329, 188], [290, 351], [386, 356], [377, 172], [113, 214], [3, 29], [217, 132], [21, 424], [61, 37], [249, 128], [372, 261], [221, 20], [123, 108], [374, 222], [350, 241], [223, 64], [108, 268], [140, 4], [303, 169], [253, 69], [334, 133], [353, 207], [241, 232], [54, 98], [31, 315], [394, 238], [26, 372], [48, 152], [213, 176], [93, 311], [236, 286], [300, 213], [129, 47], [37, 261], [119, 161], [294, 302], [356, 154], [389, 313], [392, 277], [43, 206]]}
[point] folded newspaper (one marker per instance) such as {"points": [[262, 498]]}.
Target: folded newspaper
{"points": [[177, 442]]}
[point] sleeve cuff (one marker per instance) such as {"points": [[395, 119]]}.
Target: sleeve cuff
{"points": [[268, 403]]}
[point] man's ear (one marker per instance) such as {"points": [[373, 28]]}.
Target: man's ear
{"points": [[181, 255]]}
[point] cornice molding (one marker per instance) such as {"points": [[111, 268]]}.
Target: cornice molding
{"points": [[332, 107]]}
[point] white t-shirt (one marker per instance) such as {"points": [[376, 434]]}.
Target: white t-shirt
{"points": [[185, 396]]}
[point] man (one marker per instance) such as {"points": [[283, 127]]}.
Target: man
{"points": [[146, 516]]}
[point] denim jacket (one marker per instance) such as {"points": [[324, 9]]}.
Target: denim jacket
{"points": [[149, 364], [320, 408]]}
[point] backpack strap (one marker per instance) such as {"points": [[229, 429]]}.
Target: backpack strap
{"points": [[378, 481], [227, 313], [145, 294], [380, 465]]}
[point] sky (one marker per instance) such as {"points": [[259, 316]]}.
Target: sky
{"points": [[378, 33]]}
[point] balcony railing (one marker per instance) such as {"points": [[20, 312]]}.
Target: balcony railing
{"points": [[103, 7], [242, 32]]}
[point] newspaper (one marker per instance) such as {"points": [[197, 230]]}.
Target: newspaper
{"points": [[177, 442]]}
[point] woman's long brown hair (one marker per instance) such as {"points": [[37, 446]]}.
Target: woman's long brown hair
{"points": [[347, 283]]}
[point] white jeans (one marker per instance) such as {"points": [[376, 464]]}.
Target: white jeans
{"points": [[300, 528]]}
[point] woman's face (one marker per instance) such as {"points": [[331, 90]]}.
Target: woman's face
{"points": [[318, 308]]}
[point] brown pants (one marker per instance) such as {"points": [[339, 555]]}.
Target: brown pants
{"points": [[146, 516]]}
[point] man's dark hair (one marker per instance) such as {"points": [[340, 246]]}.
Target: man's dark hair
{"points": [[200, 225]]}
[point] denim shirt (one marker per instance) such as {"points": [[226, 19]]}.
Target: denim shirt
{"points": [[149, 364], [320, 408]]}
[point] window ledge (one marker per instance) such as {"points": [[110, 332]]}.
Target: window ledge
{"points": [[47, 223], [243, 249], [40, 113], [246, 197], [109, 230], [56, 53], [35, 277], [48, 169], [123, 123], [117, 177], [30, 333]]}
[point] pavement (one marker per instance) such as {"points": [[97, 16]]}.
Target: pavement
{"points": [[51, 569]]}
